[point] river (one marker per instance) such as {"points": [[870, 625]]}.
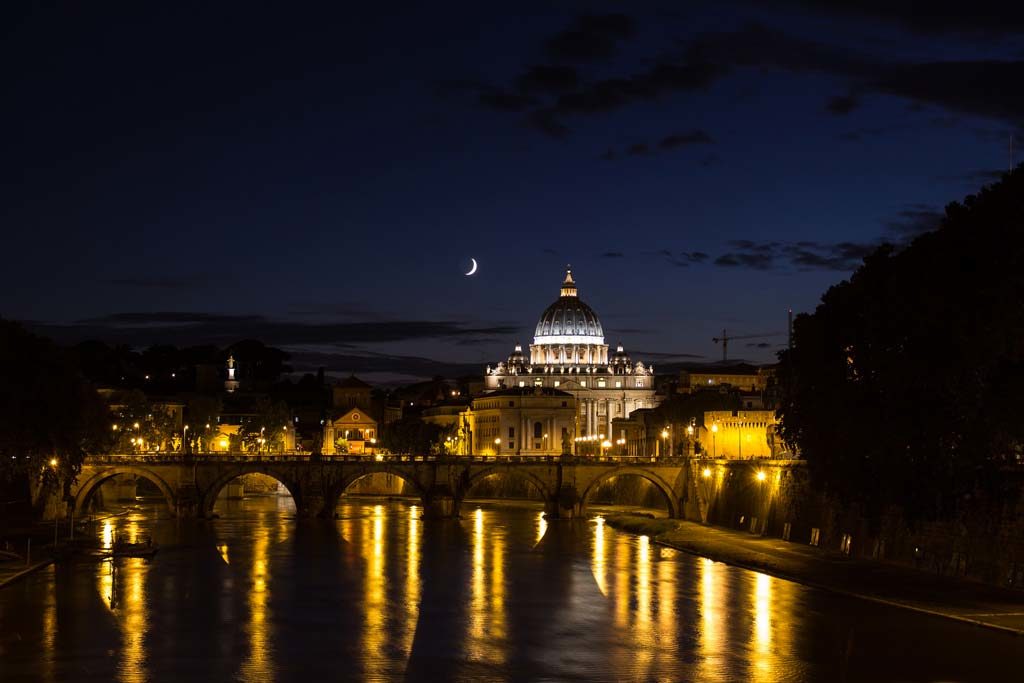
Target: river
{"points": [[381, 594]]}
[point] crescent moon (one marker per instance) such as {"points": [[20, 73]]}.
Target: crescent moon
{"points": [[473, 269]]}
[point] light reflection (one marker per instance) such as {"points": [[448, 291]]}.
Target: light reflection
{"points": [[223, 550], [643, 633], [134, 621], [374, 636], [761, 665], [599, 567], [259, 665], [542, 526], [487, 617], [412, 578], [712, 613]]}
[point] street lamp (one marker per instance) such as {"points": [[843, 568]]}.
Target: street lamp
{"points": [[184, 438], [706, 473], [56, 516], [714, 446], [497, 445], [761, 476], [605, 445], [664, 440]]}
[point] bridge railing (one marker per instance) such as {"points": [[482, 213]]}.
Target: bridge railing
{"points": [[220, 457]]}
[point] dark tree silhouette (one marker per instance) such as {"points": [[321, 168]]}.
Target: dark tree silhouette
{"points": [[903, 387]]}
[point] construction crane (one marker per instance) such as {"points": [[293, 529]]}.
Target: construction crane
{"points": [[726, 338]]}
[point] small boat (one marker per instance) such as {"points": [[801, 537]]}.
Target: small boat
{"points": [[125, 549]]}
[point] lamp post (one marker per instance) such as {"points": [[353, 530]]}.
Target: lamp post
{"points": [[184, 439], [56, 515], [497, 445], [664, 440], [714, 446]]}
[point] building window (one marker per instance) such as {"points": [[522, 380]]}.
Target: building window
{"points": [[565, 404], [538, 429], [618, 384], [511, 433], [511, 404], [639, 382], [583, 382], [557, 382], [600, 384], [522, 383], [538, 382]]}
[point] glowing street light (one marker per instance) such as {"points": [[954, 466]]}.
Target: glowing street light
{"points": [[53, 463], [706, 473], [761, 476], [714, 446]]}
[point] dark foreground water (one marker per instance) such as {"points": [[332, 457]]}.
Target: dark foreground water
{"points": [[381, 594]]}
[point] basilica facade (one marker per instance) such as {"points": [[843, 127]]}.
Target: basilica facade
{"points": [[569, 354]]}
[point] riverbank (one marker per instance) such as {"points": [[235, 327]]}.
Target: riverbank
{"points": [[14, 570], [881, 582]]}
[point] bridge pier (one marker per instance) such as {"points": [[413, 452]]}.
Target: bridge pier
{"points": [[439, 503]]}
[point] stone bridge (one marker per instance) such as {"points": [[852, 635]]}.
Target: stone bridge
{"points": [[191, 484]]}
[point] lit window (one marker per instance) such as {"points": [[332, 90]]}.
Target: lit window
{"points": [[557, 382], [522, 383], [618, 383], [583, 382], [639, 382], [600, 384]]}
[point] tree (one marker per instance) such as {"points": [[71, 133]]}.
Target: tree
{"points": [[903, 386], [48, 413], [264, 431], [201, 415], [137, 424], [410, 435]]}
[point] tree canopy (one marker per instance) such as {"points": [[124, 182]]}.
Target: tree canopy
{"points": [[903, 386], [47, 411]]}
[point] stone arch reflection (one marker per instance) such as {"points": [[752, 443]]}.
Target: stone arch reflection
{"points": [[252, 491], [633, 487]]}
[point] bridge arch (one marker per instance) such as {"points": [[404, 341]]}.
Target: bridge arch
{"points": [[476, 477], [88, 488], [665, 488], [209, 497], [353, 477]]}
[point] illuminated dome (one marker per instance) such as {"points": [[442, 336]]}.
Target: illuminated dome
{"points": [[568, 333], [568, 320]]}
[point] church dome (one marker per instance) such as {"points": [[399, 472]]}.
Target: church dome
{"points": [[569, 320]]}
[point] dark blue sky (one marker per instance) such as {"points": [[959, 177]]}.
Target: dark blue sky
{"points": [[319, 178]]}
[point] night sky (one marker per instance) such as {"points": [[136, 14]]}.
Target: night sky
{"points": [[319, 178]]}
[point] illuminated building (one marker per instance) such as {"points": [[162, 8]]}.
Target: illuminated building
{"points": [[569, 354], [350, 432], [520, 421]]}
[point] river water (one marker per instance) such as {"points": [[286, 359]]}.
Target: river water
{"points": [[381, 594]]}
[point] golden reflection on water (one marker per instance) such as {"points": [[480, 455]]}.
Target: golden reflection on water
{"points": [[712, 620], [542, 526], [50, 631], [412, 579], [134, 620], [761, 669], [374, 636], [259, 664], [487, 609], [600, 568]]}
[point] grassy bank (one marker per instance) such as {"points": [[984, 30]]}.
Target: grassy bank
{"points": [[641, 524]]}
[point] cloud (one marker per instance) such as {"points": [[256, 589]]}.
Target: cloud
{"points": [[185, 328], [548, 79], [683, 259], [912, 221], [984, 19], [976, 87], [590, 37], [694, 137], [841, 104], [669, 142]]}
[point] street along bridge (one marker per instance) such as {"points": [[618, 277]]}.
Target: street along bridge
{"points": [[190, 484]]}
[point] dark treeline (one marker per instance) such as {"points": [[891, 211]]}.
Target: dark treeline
{"points": [[904, 386]]}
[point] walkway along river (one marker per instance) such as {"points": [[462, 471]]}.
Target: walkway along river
{"points": [[498, 595]]}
